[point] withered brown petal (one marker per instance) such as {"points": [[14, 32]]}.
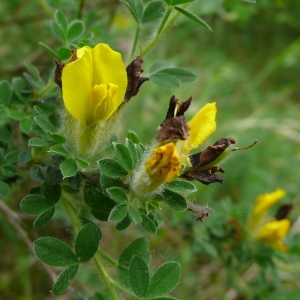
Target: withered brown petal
{"points": [[201, 212], [283, 211], [206, 177], [210, 153], [58, 72], [182, 107], [173, 128], [134, 70]]}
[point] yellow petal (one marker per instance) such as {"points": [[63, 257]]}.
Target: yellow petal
{"points": [[109, 69], [273, 232], [265, 201], [164, 165], [96, 79], [77, 83], [202, 125]]}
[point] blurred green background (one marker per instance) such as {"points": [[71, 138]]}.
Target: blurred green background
{"points": [[249, 65]]}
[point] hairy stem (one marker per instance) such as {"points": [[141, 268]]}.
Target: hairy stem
{"points": [[77, 225], [136, 38], [164, 25], [15, 221], [106, 278]]}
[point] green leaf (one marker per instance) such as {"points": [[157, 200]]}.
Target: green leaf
{"points": [[148, 224], [164, 298], [139, 276], [58, 31], [49, 50], [118, 213], [111, 168], [165, 80], [123, 156], [57, 138], [3, 116], [134, 214], [136, 8], [124, 278], [4, 189], [153, 12], [54, 177], [51, 193], [10, 170], [16, 115], [36, 173], [122, 225], [158, 65], [175, 201], [39, 142], [12, 157], [181, 187], [44, 124], [5, 135], [138, 247], [193, 17], [164, 279], [182, 74], [101, 204], [5, 92], [18, 84], [25, 157], [108, 182], [58, 150], [54, 252], [178, 2], [132, 150], [68, 168], [117, 194], [61, 20], [34, 72], [131, 135], [87, 242], [35, 204], [76, 30], [43, 219], [75, 182], [26, 124], [82, 161], [64, 279], [64, 53]]}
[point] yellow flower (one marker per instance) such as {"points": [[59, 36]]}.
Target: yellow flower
{"points": [[273, 232], [164, 165], [264, 202], [94, 84], [264, 229], [202, 125]]}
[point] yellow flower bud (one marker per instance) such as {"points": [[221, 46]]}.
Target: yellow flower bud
{"points": [[161, 167], [164, 165]]}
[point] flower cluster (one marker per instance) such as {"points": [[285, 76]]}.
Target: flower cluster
{"points": [[269, 230]]}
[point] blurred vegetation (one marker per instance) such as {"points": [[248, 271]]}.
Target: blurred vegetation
{"points": [[249, 65]]}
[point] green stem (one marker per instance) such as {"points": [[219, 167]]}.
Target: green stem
{"points": [[106, 278], [165, 25], [81, 5], [136, 38], [45, 90], [107, 258], [77, 225], [71, 211]]}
